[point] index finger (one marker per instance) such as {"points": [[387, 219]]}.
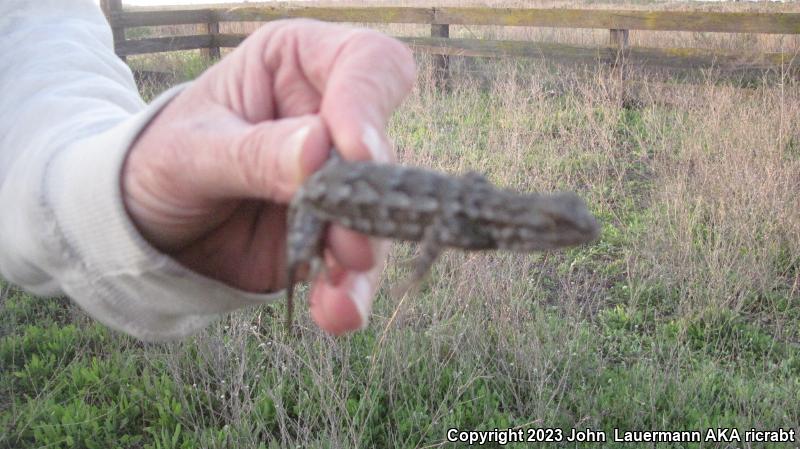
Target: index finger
{"points": [[363, 76], [354, 78]]}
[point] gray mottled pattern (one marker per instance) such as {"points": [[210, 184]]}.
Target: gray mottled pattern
{"points": [[433, 208]]}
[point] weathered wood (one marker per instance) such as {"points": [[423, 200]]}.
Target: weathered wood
{"points": [[618, 39], [728, 22], [110, 9], [656, 57], [212, 53], [681, 58], [618, 21], [160, 17], [105, 6], [701, 21], [161, 44], [487, 48], [229, 40], [378, 14], [693, 58], [661, 57], [441, 62]]}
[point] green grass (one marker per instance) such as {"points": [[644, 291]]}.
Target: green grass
{"points": [[685, 315]]}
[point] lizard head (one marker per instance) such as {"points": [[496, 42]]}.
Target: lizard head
{"points": [[545, 221]]}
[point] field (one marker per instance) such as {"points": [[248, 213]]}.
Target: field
{"points": [[685, 315]]}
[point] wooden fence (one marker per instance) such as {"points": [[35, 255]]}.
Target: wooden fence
{"points": [[618, 22]]}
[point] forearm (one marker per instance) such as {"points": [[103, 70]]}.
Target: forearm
{"points": [[69, 112]]}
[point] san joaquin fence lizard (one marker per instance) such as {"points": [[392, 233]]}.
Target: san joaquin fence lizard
{"points": [[429, 207]]}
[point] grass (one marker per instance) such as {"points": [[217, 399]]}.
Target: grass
{"points": [[685, 315]]}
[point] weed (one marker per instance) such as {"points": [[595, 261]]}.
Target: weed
{"points": [[683, 315]]}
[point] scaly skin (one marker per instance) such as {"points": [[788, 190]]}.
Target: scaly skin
{"points": [[433, 208]]}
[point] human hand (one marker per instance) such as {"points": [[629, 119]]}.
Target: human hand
{"points": [[208, 181]]}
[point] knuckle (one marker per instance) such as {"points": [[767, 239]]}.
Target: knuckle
{"points": [[253, 164], [395, 54]]}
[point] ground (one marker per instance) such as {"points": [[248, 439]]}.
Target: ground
{"points": [[682, 316]]}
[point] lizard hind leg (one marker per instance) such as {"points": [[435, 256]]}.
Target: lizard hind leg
{"points": [[316, 267], [429, 250], [305, 238], [290, 279]]}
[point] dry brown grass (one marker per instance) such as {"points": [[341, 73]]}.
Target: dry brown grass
{"points": [[704, 179], [727, 197], [683, 315]]}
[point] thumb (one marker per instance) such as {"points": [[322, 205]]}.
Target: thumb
{"points": [[268, 160]]}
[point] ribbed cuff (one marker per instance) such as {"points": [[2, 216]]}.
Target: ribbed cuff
{"points": [[115, 274]]}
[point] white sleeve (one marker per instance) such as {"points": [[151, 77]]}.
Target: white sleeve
{"points": [[69, 111]]}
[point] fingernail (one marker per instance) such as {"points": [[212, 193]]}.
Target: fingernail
{"points": [[372, 140], [361, 294], [295, 143]]}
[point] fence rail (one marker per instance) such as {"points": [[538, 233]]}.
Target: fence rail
{"points": [[618, 22]]}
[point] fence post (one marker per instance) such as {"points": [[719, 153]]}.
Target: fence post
{"points": [[212, 29], [618, 38], [441, 63], [111, 8]]}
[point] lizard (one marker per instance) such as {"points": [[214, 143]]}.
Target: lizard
{"points": [[426, 206]]}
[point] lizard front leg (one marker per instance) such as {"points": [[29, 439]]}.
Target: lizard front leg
{"points": [[429, 249]]}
